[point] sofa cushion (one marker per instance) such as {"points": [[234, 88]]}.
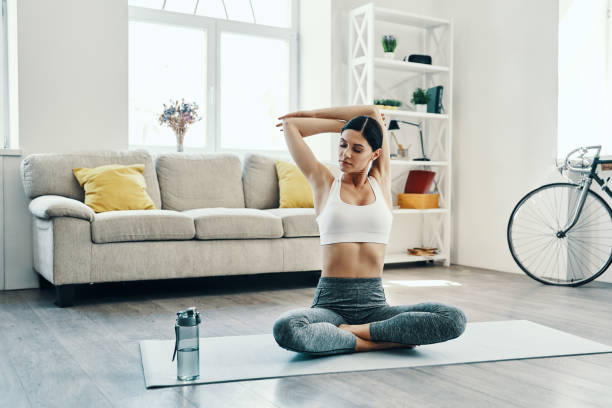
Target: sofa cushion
{"points": [[114, 187], [141, 225], [260, 181], [189, 181], [51, 173], [294, 190], [235, 223], [297, 222]]}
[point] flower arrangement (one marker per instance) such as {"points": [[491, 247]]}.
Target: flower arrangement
{"points": [[178, 116]]}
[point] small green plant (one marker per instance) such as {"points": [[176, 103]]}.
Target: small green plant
{"points": [[389, 43], [419, 96], [387, 102]]}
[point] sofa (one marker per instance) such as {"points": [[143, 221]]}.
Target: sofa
{"points": [[215, 215]]}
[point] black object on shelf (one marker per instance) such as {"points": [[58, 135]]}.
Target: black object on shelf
{"points": [[420, 59], [394, 126], [435, 99]]}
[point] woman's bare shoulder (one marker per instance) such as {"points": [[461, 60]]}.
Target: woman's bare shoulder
{"points": [[384, 181]]}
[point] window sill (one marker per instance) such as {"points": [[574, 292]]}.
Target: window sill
{"points": [[10, 152]]}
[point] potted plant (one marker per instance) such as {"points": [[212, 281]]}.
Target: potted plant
{"points": [[388, 103], [420, 99], [389, 43]]}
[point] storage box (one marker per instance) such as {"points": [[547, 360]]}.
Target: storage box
{"points": [[420, 201]]}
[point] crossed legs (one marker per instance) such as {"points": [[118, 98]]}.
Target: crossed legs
{"points": [[322, 331]]}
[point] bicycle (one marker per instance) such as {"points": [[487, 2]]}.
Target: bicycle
{"points": [[561, 233]]}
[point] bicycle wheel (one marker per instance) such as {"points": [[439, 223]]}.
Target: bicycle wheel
{"points": [[580, 256]]}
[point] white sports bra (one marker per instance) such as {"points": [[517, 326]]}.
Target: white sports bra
{"points": [[342, 222]]}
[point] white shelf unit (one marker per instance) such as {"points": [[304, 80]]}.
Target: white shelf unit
{"points": [[427, 35]]}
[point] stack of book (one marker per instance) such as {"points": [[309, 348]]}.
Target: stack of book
{"points": [[422, 251]]}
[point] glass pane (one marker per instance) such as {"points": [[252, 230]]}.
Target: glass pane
{"points": [[155, 4], [254, 91], [239, 10], [211, 8], [181, 6], [273, 12], [166, 62]]}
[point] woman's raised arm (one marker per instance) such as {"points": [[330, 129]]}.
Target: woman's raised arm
{"points": [[345, 113], [308, 126]]}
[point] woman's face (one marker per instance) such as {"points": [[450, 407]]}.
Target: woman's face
{"points": [[354, 152]]}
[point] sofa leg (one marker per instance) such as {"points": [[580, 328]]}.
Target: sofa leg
{"points": [[64, 295], [43, 283]]}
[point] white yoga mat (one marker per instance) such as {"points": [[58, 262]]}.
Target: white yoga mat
{"points": [[237, 358]]}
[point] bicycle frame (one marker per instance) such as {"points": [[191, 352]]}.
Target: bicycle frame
{"points": [[590, 175]]}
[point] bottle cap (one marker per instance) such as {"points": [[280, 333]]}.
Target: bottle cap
{"points": [[188, 317]]}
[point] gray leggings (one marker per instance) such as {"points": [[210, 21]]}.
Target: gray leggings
{"points": [[338, 301]]}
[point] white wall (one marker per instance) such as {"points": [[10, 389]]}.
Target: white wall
{"points": [[315, 77], [505, 119], [72, 61]]}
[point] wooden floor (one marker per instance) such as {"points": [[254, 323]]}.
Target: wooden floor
{"points": [[88, 355]]}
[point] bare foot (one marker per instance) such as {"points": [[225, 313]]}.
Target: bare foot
{"points": [[367, 344]]}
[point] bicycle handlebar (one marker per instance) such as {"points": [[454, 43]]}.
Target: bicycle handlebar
{"points": [[583, 149]]}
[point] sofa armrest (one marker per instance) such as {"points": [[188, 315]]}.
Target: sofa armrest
{"points": [[48, 206]]}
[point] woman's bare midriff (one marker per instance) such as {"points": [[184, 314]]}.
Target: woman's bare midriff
{"points": [[353, 260]]}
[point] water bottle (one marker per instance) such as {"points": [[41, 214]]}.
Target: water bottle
{"points": [[187, 344]]}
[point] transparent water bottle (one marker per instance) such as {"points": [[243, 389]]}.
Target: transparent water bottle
{"points": [[187, 344]]}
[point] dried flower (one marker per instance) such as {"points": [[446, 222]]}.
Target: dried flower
{"points": [[178, 116]]}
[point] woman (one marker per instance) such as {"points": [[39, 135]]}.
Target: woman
{"points": [[349, 311]]}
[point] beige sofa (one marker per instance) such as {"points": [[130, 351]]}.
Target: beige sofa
{"points": [[216, 216]]}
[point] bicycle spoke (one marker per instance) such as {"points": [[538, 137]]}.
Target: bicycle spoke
{"points": [[585, 248], [535, 250], [543, 220], [579, 259], [541, 258], [588, 243]]}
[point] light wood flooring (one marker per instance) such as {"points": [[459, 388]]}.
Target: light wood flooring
{"points": [[88, 355]]}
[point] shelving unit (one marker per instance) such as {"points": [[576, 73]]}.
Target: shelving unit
{"points": [[367, 68]]}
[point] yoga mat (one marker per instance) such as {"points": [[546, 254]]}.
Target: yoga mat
{"points": [[253, 357]]}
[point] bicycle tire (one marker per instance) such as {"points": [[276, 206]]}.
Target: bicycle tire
{"points": [[522, 263]]}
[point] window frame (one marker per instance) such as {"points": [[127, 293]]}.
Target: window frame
{"points": [[214, 27]]}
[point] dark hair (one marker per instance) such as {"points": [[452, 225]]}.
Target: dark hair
{"points": [[369, 128]]}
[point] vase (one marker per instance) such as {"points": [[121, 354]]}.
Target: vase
{"points": [[180, 138], [389, 55], [421, 107]]}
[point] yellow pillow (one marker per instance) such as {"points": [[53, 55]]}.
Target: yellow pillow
{"points": [[114, 187], [293, 187]]}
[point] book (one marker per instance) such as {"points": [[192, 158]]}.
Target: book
{"points": [[435, 99]]}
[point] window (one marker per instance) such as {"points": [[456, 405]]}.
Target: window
{"points": [[237, 59], [266, 12], [255, 86], [585, 75], [167, 64]]}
